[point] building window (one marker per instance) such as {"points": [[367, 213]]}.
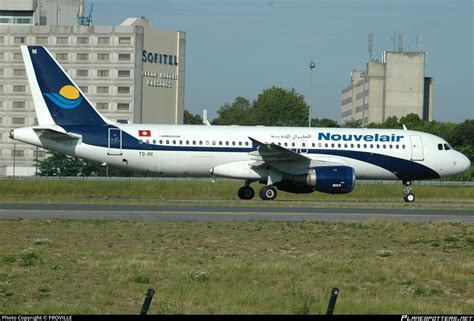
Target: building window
{"points": [[102, 73], [123, 90], [124, 73], [62, 40], [102, 90], [39, 154], [82, 40], [18, 72], [18, 121], [42, 40], [1, 72], [84, 89], [102, 106], [123, 106], [82, 73], [1, 88], [82, 56], [18, 153], [2, 40], [124, 57], [103, 40], [17, 56], [19, 88], [18, 104], [61, 56], [19, 40], [1, 56], [124, 121], [125, 40], [103, 57]]}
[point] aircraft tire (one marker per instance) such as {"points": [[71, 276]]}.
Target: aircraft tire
{"points": [[268, 193], [246, 193], [409, 198]]}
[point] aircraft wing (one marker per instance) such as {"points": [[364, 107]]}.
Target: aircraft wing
{"points": [[283, 159], [55, 133]]}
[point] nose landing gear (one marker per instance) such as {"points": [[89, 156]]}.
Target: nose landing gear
{"points": [[408, 196]]}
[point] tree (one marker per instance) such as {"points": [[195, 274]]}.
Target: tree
{"points": [[281, 107], [192, 119], [240, 112], [61, 165], [324, 122], [353, 123]]}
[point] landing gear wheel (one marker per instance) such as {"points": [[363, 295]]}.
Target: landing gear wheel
{"points": [[246, 193], [409, 197], [268, 193]]}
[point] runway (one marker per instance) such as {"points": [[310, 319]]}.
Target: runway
{"points": [[223, 213]]}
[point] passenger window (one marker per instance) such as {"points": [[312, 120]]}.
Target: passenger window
{"points": [[246, 143], [187, 142], [326, 145], [154, 142], [140, 141], [365, 145], [194, 142], [403, 146], [396, 146], [371, 145], [339, 145]]}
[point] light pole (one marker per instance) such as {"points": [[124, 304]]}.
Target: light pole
{"points": [[312, 65]]}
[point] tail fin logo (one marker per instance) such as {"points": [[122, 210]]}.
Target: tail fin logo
{"points": [[67, 98]]}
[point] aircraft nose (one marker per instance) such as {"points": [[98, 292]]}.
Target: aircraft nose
{"points": [[464, 163]]}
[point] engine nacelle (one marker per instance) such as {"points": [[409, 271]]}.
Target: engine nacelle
{"points": [[325, 179]]}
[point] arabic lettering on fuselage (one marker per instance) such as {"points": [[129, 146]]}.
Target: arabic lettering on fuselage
{"points": [[289, 136]]}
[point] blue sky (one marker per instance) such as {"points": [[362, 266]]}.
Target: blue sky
{"points": [[241, 47]]}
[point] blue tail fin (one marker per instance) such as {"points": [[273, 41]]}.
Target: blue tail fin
{"points": [[57, 99]]}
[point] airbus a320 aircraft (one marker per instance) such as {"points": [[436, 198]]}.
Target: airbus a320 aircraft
{"points": [[296, 160]]}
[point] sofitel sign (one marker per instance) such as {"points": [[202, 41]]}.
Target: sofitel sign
{"points": [[159, 58]]}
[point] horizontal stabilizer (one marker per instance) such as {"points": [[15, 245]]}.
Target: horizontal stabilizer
{"points": [[55, 133]]}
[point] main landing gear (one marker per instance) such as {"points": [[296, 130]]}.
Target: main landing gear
{"points": [[408, 196], [267, 193]]}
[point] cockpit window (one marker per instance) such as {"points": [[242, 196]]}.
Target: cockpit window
{"points": [[447, 147], [440, 146]]}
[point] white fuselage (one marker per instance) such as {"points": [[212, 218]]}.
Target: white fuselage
{"points": [[195, 150]]}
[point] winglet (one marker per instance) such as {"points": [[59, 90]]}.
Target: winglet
{"points": [[404, 127], [255, 143]]}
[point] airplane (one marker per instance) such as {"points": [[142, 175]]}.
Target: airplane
{"points": [[291, 159]]}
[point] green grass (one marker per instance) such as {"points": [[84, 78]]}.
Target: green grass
{"points": [[380, 267], [159, 192]]}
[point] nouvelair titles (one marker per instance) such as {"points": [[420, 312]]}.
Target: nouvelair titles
{"points": [[360, 137]]}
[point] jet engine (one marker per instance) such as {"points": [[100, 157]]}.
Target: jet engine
{"points": [[325, 179]]}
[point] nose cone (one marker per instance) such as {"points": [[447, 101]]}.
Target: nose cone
{"points": [[464, 163]]}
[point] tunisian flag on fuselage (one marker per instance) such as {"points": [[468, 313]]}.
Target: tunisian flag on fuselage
{"points": [[144, 133]]}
